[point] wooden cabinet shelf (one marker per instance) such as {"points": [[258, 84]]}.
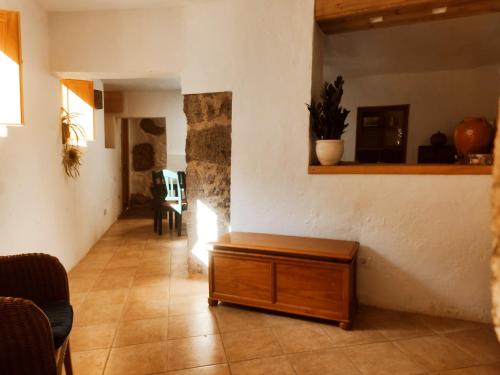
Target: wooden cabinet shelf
{"points": [[408, 169]]}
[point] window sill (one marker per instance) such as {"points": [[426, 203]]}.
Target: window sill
{"points": [[404, 169]]}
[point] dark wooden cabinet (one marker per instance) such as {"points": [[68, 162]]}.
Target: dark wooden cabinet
{"points": [[305, 276], [381, 134], [437, 154]]}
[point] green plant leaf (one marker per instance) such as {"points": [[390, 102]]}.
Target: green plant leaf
{"points": [[328, 118]]}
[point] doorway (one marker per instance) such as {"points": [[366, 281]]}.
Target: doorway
{"points": [[144, 150]]}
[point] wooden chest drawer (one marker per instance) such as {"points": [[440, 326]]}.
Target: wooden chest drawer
{"points": [[311, 288], [242, 277]]}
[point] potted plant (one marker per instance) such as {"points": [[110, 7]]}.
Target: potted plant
{"points": [[71, 135], [328, 123]]}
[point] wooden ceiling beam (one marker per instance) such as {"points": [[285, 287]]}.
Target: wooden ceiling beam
{"points": [[337, 16]]}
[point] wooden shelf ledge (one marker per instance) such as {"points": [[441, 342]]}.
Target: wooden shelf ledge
{"points": [[408, 169]]}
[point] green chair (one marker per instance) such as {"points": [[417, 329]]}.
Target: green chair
{"points": [[169, 196]]}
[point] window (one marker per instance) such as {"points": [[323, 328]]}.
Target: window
{"points": [[11, 94], [78, 100]]}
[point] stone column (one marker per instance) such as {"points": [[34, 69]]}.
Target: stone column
{"points": [[208, 172]]}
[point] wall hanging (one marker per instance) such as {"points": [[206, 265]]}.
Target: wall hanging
{"points": [[72, 134]]}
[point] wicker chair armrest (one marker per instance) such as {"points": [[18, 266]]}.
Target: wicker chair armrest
{"points": [[26, 344], [37, 277]]}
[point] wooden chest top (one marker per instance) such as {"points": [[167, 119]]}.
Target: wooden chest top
{"points": [[302, 247]]}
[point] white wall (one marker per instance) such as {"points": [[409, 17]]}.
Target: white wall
{"points": [[40, 209], [73, 35], [426, 238], [167, 104], [438, 100]]}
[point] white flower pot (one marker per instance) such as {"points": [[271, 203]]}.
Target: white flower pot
{"points": [[329, 151]]}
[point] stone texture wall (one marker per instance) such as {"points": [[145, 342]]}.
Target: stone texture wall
{"points": [[208, 172], [148, 147], [495, 261]]}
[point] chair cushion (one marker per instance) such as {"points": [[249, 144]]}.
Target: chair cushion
{"points": [[60, 314]]}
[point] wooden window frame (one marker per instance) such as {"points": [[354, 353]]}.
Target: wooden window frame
{"points": [[13, 19]]}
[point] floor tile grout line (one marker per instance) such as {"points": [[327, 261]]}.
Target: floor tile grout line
{"points": [[346, 354], [407, 356], [193, 367], [221, 339], [273, 332], [351, 361], [168, 306], [337, 349], [283, 355], [461, 330], [116, 329], [465, 349]]}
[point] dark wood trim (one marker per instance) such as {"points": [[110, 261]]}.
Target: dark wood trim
{"points": [[125, 162], [273, 283]]}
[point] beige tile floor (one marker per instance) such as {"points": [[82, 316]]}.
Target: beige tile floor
{"points": [[138, 311]]}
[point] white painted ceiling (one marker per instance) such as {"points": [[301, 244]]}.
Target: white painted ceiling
{"points": [[460, 43], [89, 5], [142, 84]]}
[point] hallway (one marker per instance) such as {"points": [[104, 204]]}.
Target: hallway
{"points": [[138, 311]]}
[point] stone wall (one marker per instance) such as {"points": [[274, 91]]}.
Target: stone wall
{"points": [[148, 148], [208, 173]]}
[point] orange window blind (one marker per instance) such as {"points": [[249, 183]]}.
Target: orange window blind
{"points": [[83, 89], [78, 99], [11, 98]]}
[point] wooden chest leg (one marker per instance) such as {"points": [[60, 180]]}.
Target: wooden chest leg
{"points": [[212, 302], [345, 325]]}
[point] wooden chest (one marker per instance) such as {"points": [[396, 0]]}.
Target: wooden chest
{"points": [[305, 276]]}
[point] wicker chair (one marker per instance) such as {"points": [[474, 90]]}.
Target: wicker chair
{"points": [[34, 339]]}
